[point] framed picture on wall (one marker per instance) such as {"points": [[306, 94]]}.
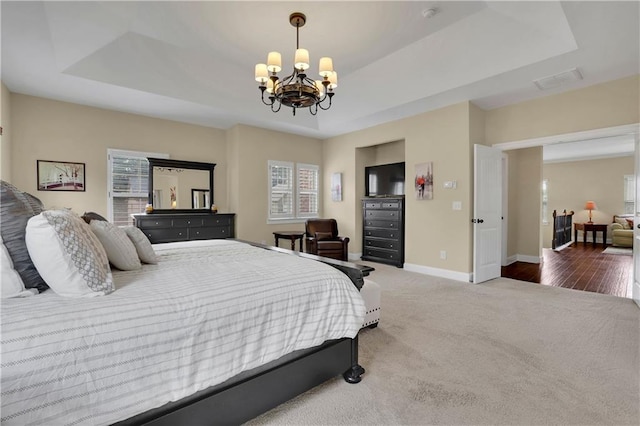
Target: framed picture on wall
{"points": [[60, 176], [424, 181], [336, 187]]}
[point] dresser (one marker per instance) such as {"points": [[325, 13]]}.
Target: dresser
{"points": [[383, 230], [170, 227]]}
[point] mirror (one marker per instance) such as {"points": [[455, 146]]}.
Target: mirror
{"points": [[177, 186]]}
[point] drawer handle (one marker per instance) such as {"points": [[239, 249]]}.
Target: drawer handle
{"points": [[391, 235], [188, 222], [369, 233], [390, 245], [368, 242], [180, 233], [157, 223], [391, 225], [392, 214], [197, 232]]}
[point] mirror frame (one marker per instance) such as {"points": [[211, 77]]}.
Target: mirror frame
{"points": [[180, 164]]}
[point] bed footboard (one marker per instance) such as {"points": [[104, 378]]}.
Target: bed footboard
{"points": [[236, 402]]}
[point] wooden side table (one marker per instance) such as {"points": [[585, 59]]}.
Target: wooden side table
{"points": [[291, 235], [594, 228]]}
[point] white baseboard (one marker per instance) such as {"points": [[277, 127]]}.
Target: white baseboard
{"points": [[443, 273], [523, 258], [528, 259]]}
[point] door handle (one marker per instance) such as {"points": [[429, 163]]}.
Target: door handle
{"points": [[480, 221]]}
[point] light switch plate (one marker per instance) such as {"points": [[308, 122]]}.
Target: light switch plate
{"points": [[457, 205]]}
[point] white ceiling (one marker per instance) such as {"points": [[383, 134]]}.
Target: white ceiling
{"points": [[194, 61]]}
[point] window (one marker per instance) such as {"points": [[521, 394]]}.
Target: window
{"points": [[545, 201], [629, 193], [293, 196], [128, 181]]}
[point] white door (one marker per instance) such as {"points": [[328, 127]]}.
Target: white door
{"points": [[487, 213], [635, 290]]}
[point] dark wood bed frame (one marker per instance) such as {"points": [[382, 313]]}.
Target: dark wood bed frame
{"points": [[252, 393], [562, 224]]}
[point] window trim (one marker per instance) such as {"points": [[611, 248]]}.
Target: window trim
{"points": [[295, 216], [123, 153], [305, 166]]}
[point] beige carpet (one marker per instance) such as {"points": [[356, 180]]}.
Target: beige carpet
{"points": [[505, 352]]}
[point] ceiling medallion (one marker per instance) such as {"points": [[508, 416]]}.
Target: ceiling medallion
{"points": [[296, 90]]}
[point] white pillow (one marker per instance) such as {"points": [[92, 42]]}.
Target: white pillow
{"points": [[12, 285], [120, 250], [68, 256], [143, 246]]}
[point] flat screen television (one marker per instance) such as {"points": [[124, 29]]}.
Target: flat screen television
{"points": [[384, 180]]}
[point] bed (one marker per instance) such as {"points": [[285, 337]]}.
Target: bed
{"points": [[216, 332]]}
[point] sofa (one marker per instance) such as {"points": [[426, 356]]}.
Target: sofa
{"points": [[622, 231]]}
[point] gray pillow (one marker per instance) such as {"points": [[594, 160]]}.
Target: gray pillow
{"points": [[15, 212], [35, 203], [89, 216]]}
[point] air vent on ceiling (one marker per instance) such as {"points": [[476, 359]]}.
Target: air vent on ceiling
{"points": [[558, 80]]}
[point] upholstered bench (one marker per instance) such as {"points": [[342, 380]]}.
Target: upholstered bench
{"points": [[370, 292]]}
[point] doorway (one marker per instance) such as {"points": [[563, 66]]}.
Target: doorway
{"points": [[585, 163]]}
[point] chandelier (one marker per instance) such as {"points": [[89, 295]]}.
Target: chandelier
{"points": [[296, 90]]}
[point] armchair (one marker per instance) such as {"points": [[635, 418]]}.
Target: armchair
{"points": [[321, 239]]}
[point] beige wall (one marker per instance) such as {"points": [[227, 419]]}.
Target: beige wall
{"points": [[5, 138], [573, 183], [525, 203], [50, 130], [45, 129], [253, 148], [440, 136], [604, 105], [614, 103]]}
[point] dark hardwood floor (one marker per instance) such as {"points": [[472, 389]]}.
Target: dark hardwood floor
{"points": [[579, 267]]}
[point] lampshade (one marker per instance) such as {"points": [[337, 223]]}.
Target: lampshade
{"points": [[326, 67], [590, 205], [301, 59], [274, 62], [261, 73]]}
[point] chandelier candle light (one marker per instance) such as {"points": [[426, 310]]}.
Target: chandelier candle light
{"points": [[296, 90]]}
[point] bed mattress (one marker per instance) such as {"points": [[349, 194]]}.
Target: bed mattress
{"points": [[206, 312]]}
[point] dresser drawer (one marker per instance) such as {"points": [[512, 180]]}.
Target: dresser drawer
{"points": [[389, 224], [159, 222], [382, 233], [391, 205], [187, 222], [217, 221], [210, 233], [377, 243], [372, 205], [382, 214], [381, 253], [166, 235]]}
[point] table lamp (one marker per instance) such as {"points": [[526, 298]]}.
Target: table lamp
{"points": [[590, 205]]}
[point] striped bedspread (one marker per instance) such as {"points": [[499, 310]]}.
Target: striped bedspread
{"points": [[206, 312]]}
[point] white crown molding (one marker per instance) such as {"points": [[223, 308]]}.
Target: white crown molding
{"points": [[606, 132]]}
